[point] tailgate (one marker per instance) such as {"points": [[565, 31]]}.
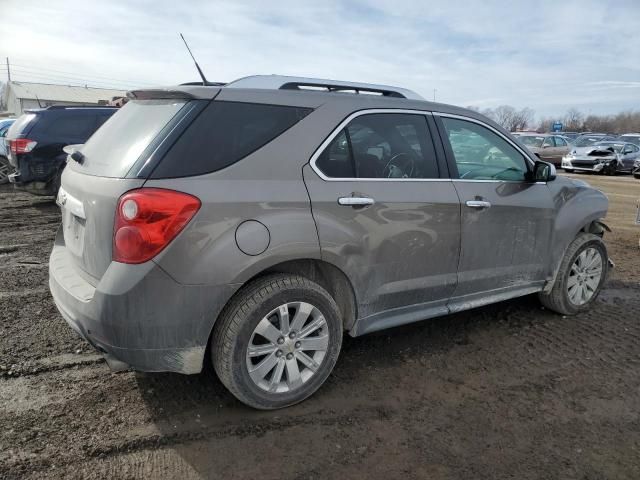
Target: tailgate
{"points": [[88, 204], [92, 185]]}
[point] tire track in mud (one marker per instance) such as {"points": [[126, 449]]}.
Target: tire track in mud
{"points": [[504, 390]]}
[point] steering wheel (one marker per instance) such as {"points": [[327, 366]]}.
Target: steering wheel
{"points": [[391, 170]]}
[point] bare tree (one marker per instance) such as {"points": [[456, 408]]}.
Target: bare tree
{"points": [[573, 120], [545, 124], [521, 119]]}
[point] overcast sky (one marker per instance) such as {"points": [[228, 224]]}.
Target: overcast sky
{"points": [[549, 56]]}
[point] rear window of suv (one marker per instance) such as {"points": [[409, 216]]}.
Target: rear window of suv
{"points": [[20, 125], [224, 133], [116, 145]]}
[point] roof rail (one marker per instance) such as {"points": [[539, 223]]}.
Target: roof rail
{"points": [[62, 107], [281, 82]]}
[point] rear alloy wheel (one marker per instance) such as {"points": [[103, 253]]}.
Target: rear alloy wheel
{"points": [[277, 341], [582, 272], [5, 170]]}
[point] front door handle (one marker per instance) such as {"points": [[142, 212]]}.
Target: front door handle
{"points": [[355, 201], [478, 204]]}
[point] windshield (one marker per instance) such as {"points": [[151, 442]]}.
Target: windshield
{"points": [[617, 147], [531, 141], [115, 147], [588, 141]]}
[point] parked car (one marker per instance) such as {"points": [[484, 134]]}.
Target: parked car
{"points": [[631, 138], [636, 169], [589, 139], [608, 157], [5, 166], [571, 136], [583, 145], [36, 141], [550, 148], [261, 220]]}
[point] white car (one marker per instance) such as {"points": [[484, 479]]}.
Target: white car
{"points": [[5, 167]]}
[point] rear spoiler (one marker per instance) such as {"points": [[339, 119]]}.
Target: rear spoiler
{"points": [[180, 92], [159, 94]]}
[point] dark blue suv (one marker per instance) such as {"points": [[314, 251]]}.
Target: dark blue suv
{"points": [[36, 140]]}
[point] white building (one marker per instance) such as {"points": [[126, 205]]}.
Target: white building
{"points": [[19, 96]]}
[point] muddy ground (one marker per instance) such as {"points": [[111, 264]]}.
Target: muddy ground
{"points": [[506, 391]]}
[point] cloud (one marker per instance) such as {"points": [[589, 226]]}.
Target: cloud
{"points": [[547, 55]]}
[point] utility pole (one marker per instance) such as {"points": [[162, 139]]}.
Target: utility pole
{"points": [[8, 70], [434, 93]]}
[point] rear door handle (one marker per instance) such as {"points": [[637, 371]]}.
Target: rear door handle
{"points": [[478, 204], [355, 201]]}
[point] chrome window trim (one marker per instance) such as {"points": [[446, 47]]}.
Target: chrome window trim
{"points": [[343, 124]]}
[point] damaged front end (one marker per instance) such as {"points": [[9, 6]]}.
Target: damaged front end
{"points": [[597, 159]]}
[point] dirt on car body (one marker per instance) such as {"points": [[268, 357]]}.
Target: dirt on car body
{"points": [[509, 390]]}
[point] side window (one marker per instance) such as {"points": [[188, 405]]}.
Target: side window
{"points": [[560, 142], [72, 126], [381, 145], [548, 142], [225, 133], [335, 161], [481, 154]]}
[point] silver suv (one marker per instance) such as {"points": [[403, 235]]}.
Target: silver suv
{"points": [[253, 224]]}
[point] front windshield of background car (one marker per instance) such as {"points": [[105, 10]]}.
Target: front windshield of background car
{"points": [[532, 141], [631, 139], [588, 141], [617, 147]]}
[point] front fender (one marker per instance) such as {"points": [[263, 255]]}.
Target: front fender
{"points": [[577, 206]]}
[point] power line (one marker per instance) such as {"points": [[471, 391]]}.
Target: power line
{"points": [[30, 77], [22, 77], [69, 84], [83, 75], [32, 73]]}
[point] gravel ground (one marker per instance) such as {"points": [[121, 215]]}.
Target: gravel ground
{"points": [[505, 391]]}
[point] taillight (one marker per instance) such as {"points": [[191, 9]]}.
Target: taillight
{"points": [[21, 145], [147, 220]]}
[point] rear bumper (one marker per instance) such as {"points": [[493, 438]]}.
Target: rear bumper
{"points": [[35, 175], [137, 315]]}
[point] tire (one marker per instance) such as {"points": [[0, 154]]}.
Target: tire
{"points": [[559, 298], [636, 175], [568, 170], [55, 183], [238, 329], [5, 170]]}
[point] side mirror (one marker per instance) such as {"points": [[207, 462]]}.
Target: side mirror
{"points": [[543, 172], [546, 145]]}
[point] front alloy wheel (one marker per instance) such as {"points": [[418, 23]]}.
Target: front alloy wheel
{"points": [[584, 276], [580, 276]]}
